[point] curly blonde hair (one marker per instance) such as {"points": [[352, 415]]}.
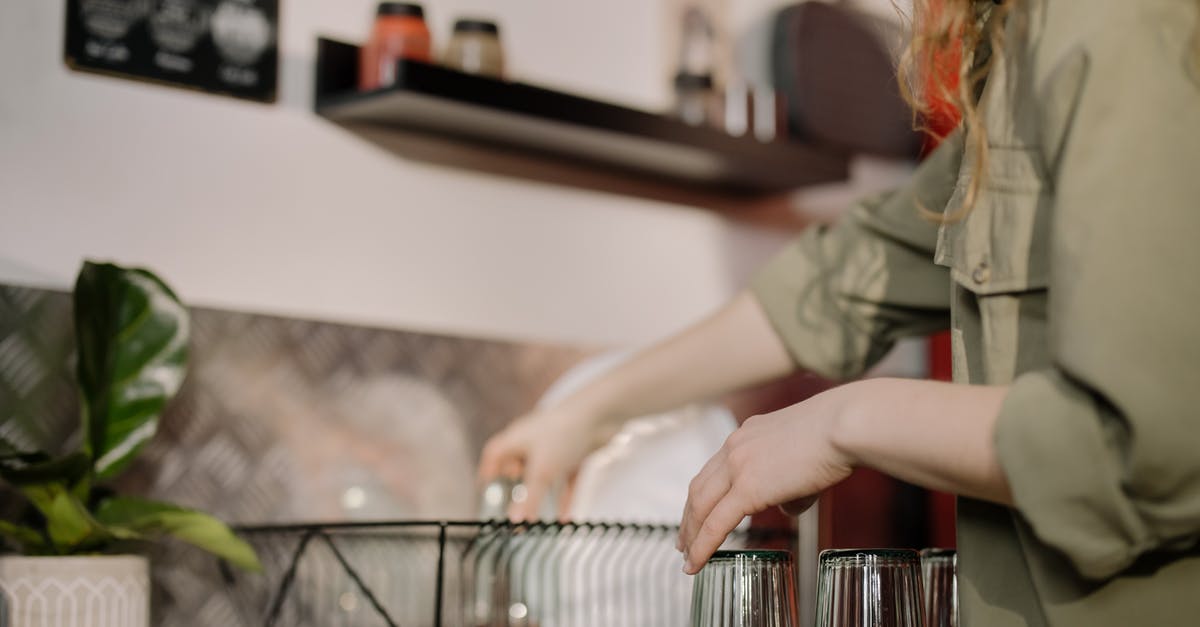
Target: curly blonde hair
{"points": [[954, 45], [941, 72]]}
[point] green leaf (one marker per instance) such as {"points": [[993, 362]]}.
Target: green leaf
{"points": [[37, 468], [201, 530], [132, 336], [68, 523], [31, 542]]}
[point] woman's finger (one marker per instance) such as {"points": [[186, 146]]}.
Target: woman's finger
{"points": [[491, 461], [725, 516], [565, 498], [701, 477], [513, 467], [536, 484], [703, 495]]}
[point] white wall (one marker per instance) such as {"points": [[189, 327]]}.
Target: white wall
{"points": [[268, 208]]}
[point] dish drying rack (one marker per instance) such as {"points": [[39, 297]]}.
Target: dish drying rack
{"points": [[471, 574]]}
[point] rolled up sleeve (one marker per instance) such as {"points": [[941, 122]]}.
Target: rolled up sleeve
{"points": [[841, 296], [1102, 450]]}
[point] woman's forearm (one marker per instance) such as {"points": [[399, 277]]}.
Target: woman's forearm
{"points": [[734, 348], [936, 435]]}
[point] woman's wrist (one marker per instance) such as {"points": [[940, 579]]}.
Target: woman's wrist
{"points": [[592, 414], [850, 422], [932, 434]]}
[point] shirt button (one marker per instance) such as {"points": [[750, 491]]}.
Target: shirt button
{"points": [[981, 273]]}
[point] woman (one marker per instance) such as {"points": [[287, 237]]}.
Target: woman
{"points": [[1064, 265]]}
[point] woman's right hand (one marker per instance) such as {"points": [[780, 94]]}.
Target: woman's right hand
{"points": [[541, 448], [733, 348]]}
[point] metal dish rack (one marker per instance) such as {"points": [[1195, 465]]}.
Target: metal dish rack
{"points": [[470, 574]]}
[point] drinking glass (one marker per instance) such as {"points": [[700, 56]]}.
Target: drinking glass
{"points": [[939, 569], [745, 589], [869, 588]]}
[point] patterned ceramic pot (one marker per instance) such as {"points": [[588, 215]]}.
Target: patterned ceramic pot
{"points": [[75, 591]]}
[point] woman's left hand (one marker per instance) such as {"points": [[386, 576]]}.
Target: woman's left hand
{"points": [[931, 434], [784, 458]]}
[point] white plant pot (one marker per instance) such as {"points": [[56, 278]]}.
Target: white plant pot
{"points": [[95, 591]]}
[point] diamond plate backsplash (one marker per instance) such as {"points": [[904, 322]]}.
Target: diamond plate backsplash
{"points": [[284, 420]]}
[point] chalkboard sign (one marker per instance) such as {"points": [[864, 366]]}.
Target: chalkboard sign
{"points": [[226, 47]]}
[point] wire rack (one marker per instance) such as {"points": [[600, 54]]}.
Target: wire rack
{"points": [[470, 574]]}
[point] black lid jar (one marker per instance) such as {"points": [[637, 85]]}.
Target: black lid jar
{"points": [[475, 48]]}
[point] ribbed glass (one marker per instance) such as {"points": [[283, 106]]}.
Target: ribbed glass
{"points": [[939, 577], [869, 588], [745, 589]]}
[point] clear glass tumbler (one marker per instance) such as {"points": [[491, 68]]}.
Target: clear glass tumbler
{"points": [[745, 589], [869, 588], [939, 568]]}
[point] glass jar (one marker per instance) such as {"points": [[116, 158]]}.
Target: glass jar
{"points": [[475, 48], [400, 32], [697, 100], [745, 589], [939, 578], [869, 588]]}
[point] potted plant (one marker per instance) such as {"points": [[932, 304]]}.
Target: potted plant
{"points": [[73, 566]]}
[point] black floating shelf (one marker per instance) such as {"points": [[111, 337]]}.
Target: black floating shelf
{"points": [[434, 100]]}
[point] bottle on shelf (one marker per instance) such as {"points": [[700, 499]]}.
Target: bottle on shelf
{"points": [[475, 48], [698, 99], [399, 33]]}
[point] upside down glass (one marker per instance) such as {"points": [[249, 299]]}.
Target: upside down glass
{"points": [[938, 575], [745, 589], [869, 588]]}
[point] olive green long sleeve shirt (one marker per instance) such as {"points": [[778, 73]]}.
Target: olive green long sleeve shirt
{"points": [[1075, 279]]}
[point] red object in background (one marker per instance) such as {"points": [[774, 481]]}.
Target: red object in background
{"points": [[869, 508], [874, 501], [943, 117], [399, 33], [864, 512], [941, 505]]}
